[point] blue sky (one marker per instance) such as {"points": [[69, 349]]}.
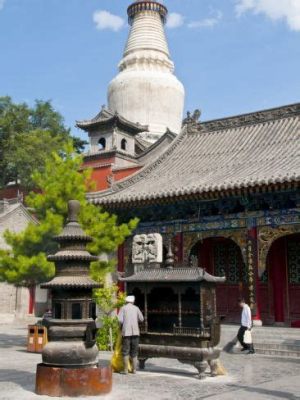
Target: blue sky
{"points": [[233, 56]]}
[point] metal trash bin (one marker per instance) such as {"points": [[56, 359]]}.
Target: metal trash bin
{"points": [[37, 338], [31, 338], [41, 338]]}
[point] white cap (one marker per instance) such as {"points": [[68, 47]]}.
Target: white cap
{"points": [[130, 299]]}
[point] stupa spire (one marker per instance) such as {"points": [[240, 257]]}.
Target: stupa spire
{"points": [[147, 33], [146, 90]]}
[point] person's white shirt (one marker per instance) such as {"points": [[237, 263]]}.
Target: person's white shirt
{"points": [[246, 317]]}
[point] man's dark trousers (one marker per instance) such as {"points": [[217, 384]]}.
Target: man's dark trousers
{"points": [[240, 337], [130, 346]]}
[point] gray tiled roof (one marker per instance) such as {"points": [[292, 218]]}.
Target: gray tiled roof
{"points": [[173, 275], [105, 116], [71, 281], [81, 255], [73, 231], [141, 143], [249, 150]]}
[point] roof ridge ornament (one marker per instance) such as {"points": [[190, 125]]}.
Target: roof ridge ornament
{"points": [[192, 118], [192, 121]]}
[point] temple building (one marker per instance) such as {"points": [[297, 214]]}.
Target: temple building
{"points": [[227, 192], [223, 191], [116, 148]]}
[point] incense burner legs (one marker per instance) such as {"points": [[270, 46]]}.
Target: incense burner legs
{"points": [[200, 358], [201, 367]]}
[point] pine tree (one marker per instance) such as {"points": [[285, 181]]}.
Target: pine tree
{"points": [[26, 263]]}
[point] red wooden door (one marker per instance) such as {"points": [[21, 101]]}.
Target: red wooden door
{"points": [[266, 298], [223, 257], [283, 266]]}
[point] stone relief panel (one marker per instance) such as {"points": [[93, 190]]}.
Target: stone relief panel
{"points": [[147, 248]]}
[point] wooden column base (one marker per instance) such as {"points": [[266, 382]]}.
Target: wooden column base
{"points": [[73, 382]]}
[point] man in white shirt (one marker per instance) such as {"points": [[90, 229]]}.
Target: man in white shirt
{"points": [[129, 317], [246, 324]]}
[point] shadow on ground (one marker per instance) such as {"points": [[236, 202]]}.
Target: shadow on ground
{"points": [[266, 392], [8, 340], [24, 379]]}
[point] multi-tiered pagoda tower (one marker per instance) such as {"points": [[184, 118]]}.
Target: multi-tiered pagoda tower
{"points": [[70, 360]]}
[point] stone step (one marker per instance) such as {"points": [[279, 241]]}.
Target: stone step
{"points": [[275, 337], [262, 332], [295, 340], [266, 329], [275, 340], [277, 352], [272, 351], [277, 346], [271, 341]]}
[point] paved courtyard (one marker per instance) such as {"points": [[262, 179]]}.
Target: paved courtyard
{"points": [[249, 377]]}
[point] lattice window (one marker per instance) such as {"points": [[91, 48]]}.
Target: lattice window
{"points": [[228, 261], [220, 260], [293, 259]]}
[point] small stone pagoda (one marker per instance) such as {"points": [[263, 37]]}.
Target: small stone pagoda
{"points": [[70, 359]]}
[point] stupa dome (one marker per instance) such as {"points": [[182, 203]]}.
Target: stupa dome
{"points": [[146, 90]]}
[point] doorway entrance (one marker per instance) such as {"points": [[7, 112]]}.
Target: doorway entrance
{"points": [[281, 282], [221, 256]]}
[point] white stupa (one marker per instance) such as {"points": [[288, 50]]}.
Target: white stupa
{"points": [[146, 90]]}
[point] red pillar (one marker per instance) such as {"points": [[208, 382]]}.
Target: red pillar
{"points": [[179, 247], [31, 299], [121, 264]]}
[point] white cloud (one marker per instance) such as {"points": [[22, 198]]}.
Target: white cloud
{"points": [[288, 10], [175, 20], [105, 20], [207, 22], [2, 4]]}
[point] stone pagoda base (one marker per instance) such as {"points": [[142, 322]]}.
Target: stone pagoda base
{"points": [[73, 382]]}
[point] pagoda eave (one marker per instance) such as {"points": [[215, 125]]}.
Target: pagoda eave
{"points": [[71, 257]]}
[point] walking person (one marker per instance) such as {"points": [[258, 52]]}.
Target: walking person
{"points": [[246, 324], [129, 318]]}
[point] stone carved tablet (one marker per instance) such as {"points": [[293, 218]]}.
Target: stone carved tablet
{"points": [[147, 248]]}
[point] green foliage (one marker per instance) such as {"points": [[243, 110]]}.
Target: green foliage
{"points": [[108, 300], [27, 137], [108, 333], [26, 263]]}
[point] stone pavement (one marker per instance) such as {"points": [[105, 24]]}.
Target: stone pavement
{"points": [[249, 377]]}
